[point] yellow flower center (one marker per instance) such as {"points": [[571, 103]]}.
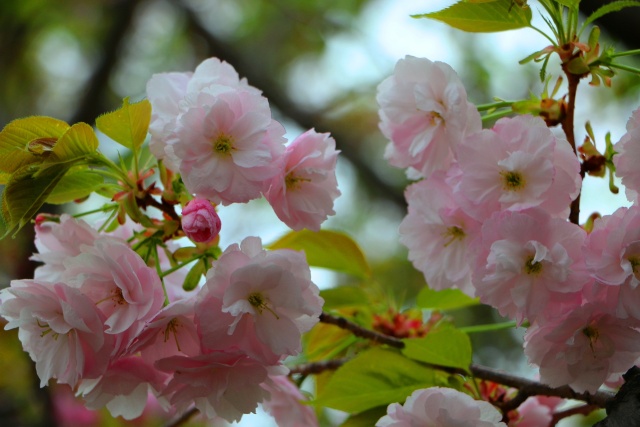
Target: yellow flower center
{"points": [[453, 233], [223, 144], [512, 180]]}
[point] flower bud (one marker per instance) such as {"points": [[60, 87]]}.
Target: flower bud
{"points": [[200, 221]]}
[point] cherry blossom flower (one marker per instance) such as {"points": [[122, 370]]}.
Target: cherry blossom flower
{"points": [[57, 242], [516, 165], [530, 264], [612, 254], [229, 146], [582, 348], [284, 404], [442, 407], [123, 388], [302, 195], [628, 154], [438, 234], [60, 328], [224, 384], [118, 282], [270, 292], [200, 221], [424, 112], [536, 411]]}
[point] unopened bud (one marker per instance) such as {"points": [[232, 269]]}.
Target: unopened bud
{"points": [[200, 221]]}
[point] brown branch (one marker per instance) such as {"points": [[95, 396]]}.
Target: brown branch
{"points": [[318, 367], [526, 387], [568, 126]]}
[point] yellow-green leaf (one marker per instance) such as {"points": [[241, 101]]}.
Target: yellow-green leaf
{"points": [[446, 299], [194, 275], [328, 249], [27, 191], [128, 125], [483, 17], [444, 347], [373, 378], [75, 184], [28, 140], [78, 141]]}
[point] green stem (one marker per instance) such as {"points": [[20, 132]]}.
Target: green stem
{"points": [[625, 53], [105, 208], [625, 68], [546, 36], [159, 270], [179, 266], [488, 328], [496, 115], [494, 105]]}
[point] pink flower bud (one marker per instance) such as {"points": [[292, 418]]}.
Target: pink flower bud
{"points": [[200, 221]]}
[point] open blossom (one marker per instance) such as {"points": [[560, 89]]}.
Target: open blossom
{"points": [[60, 328], [285, 403], [166, 92], [200, 221], [536, 411], [220, 384], [56, 242], [612, 254], [441, 407], [123, 388], [530, 264], [228, 145], [627, 157], [438, 234], [268, 292], [424, 112], [302, 194], [216, 130], [518, 164], [582, 348], [118, 282]]}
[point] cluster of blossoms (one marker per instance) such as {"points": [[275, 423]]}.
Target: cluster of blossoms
{"points": [[488, 216], [116, 329]]}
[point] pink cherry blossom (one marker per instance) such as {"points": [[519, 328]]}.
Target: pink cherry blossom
{"points": [[285, 404], [224, 384], [167, 92], [270, 292], [536, 411], [60, 328], [442, 407], [627, 157], [516, 165], [302, 195], [200, 221], [612, 254], [424, 112], [229, 146], [56, 242], [118, 282], [438, 234], [582, 348], [172, 332], [530, 264], [123, 388]]}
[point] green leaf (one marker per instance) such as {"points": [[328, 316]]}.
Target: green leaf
{"points": [[344, 296], [373, 378], [446, 299], [328, 249], [75, 184], [78, 141], [608, 8], [194, 275], [27, 191], [28, 140], [500, 15], [128, 125], [366, 418], [444, 347]]}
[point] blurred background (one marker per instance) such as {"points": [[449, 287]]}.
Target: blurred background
{"points": [[318, 63]]}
